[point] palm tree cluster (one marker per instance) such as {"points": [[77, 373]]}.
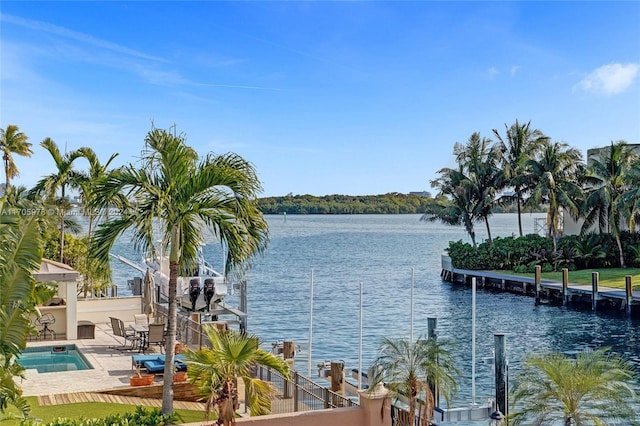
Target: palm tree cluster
{"points": [[171, 192], [531, 170]]}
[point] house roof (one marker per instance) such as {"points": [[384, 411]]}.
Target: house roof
{"points": [[55, 271]]}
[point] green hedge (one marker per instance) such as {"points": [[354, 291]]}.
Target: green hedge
{"points": [[140, 417], [522, 254]]}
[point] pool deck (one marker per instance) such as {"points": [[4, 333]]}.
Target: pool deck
{"points": [[111, 367]]}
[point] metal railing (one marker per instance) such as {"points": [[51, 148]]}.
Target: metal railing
{"points": [[400, 417], [299, 393]]}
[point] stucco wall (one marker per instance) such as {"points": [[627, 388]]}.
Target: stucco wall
{"points": [[99, 310]]}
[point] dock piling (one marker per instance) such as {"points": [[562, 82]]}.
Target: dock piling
{"points": [[595, 278], [501, 373], [565, 286], [538, 270], [629, 293], [433, 334]]}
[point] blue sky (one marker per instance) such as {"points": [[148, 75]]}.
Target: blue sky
{"points": [[355, 98]]}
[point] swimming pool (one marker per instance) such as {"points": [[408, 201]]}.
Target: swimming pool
{"points": [[51, 359]]}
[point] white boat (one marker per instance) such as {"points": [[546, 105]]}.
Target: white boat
{"points": [[201, 291], [197, 292]]}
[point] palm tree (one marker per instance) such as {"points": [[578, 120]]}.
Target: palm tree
{"points": [[85, 183], [605, 179], [455, 203], [479, 160], [231, 357], [630, 199], [591, 389], [12, 141], [519, 146], [49, 185], [554, 178], [20, 256], [179, 197], [411, 370]]}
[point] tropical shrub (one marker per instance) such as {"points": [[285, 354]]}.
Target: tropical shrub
{"points": [[140, 417]]}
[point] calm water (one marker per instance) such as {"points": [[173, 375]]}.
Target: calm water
{"points": [[380, 251]]}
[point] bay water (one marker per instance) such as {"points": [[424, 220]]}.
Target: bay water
{"points": [[383, 252]]}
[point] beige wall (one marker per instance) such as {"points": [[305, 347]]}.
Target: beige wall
{"points": [[99, 310], [367, 414]]}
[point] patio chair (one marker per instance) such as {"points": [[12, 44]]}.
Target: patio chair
{"points": [[120, 330], [156, 336], [141, 319]]}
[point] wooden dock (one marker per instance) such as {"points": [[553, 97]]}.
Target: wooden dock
{"points": [[547, 291]]}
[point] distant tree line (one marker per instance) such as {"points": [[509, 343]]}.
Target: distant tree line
{"points": [[392, 203]]}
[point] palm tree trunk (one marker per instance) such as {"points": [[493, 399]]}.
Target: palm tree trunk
{"points": [[167, 389], [5, 160], [486, 221], [518, 203], [61, 213], [620, 252]]}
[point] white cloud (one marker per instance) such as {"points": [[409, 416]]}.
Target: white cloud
{"points": [[493, 71], [514, 69], [609, 79]]}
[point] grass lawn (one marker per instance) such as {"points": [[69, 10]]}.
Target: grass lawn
{"points": [[91, 410], [610, 277]]}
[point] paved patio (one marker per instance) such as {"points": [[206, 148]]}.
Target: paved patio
{"points": [[111, 367]]}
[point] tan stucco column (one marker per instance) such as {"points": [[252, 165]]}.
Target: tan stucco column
{"points": [[376, 405]]}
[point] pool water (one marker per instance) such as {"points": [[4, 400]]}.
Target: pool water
{"points": [[51, 359]]}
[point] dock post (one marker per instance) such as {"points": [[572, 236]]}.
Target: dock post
{"points": [[196, 336], [629, 288], [431, 328], [565, 286], [337, 378], [433, 334], [288, 353], [538, 270], [501, 373], [595, 278]]}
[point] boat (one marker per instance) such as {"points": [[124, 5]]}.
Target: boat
{"points": [[196, 292], [203, 290]]}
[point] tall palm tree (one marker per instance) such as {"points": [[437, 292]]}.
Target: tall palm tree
{"points": [[605, 180], [554, 177], [411, 370], [85, 183], [20, 256], [592, 389], [63, 177], [216, 371], [518, 146], [179, 197], [479, 159], [12, 141]]}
